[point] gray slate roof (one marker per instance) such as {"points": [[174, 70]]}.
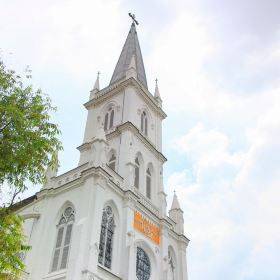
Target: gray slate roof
{"points": [[130, 48]]}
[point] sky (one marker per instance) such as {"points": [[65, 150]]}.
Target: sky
{"points": [[218, 66]]}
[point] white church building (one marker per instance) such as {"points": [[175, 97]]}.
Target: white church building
{"points": [[107, 218]]}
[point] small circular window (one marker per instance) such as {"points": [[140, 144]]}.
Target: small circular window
{"points": [[143, 265]]}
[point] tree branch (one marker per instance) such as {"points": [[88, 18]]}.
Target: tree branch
{"points": [[3, 127], [14, 196]]}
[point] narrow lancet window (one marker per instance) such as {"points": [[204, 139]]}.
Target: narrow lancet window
{"points": [[109, 119], [63, 239], [137, 173], [148, 183], [106, 237], [144, 123]]}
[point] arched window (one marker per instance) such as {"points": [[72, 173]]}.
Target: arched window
{"points": [[112, 161], [63, 239], [109, 119], [136, 173], [144, 123], [143, 265], [106, 237], [148, 183]]}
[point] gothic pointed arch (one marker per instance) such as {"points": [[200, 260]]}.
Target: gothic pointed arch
{"points": [[109, 115], [144, 123], [64, 227], [145, 120], [150, 178], [108, 233], [138, 170]]}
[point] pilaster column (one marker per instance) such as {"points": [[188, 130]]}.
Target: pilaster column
{"points": [[164, 249], [183, 258], [132, 258], [129, 204]]}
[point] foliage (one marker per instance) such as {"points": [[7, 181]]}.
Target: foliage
{"points": [[28, 140], [11, 244], [28, 146]]}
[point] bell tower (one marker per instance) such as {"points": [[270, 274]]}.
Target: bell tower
{"points": [[131, 118]]}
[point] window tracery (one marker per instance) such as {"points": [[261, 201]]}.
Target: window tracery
{"points": [[143, 265], [106, 237], [64, 232], [109, 118]]}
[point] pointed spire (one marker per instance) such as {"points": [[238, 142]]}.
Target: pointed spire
{"points": [[175, 202], [131, 48], [157, 95], [96, 86]]}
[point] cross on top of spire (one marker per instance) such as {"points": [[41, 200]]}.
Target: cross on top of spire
{"points": [[133, 18]]}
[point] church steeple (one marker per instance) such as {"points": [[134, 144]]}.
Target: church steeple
{"points": [[131, 50]]}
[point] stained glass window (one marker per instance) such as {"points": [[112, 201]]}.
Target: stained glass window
{"points": [[63, 238], [106, 237], [143, 266]]}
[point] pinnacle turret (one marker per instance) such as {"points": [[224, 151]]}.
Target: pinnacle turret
{"points": [[175, 202], [157, 95], [96, 87]]}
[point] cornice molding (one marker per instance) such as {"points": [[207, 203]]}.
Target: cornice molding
{"points": [[128, 126], [32, 215], [118, 87]]}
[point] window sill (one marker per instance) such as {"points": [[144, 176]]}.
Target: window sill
{"points": [[55, 274], [107, 270]]}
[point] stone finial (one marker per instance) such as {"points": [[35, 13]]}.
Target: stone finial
{"points": [[157, 94], [175, 202], [176, 214], [51, 173], [96, 87]]}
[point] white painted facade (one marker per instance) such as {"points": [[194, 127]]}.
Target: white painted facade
{"points": [[93, 185]]}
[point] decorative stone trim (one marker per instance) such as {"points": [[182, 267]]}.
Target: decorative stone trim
{"points": [[118, 87], [131, 127]]}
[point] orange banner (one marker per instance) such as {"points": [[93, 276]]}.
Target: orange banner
{"points": [[146, 227]]}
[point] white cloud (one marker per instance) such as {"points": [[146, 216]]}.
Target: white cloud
{"points": [[223, 208]]}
